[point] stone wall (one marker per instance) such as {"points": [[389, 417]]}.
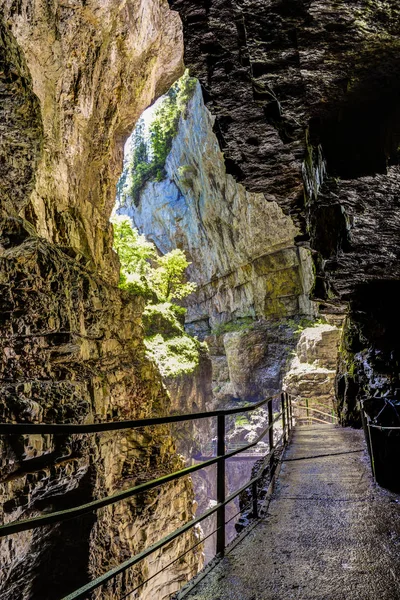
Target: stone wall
{"points": [[312, 371]]}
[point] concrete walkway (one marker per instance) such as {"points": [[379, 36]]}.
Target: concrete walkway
{"points": [[330, 533]]}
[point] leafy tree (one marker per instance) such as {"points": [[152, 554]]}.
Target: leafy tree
{"points": [[160, 279], [169, 277], [143, 271], [135, 254], [139, 144]]}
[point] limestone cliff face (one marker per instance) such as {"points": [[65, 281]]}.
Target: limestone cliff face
{"points": [[312, 371], [74, 76], [241, 245], [243, 258]]}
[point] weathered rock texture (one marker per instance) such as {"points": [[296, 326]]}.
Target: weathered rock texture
{"points": [[311, 375], [250, 274], [249, 364], [95, 66], [304, 91], [240, 244], [74, 76]]}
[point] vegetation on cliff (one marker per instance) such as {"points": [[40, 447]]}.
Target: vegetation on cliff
{"points": [[160, 280], [150, 145]]}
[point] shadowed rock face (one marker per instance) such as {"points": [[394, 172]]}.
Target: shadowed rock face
{"points": [[21, 126], [290, 79], [73, 79], [95, 67]]}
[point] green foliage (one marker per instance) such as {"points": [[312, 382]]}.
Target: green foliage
{"points": [[304, 323], [174, 356], [143, 271], [148, 153], [298, 324], [168, 279], [135, 254], [238, 325], [159, 280], [163, 317], [241, 420], [186, 175]]}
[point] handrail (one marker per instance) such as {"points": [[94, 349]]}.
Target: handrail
{"points": [[82, 509], [67, 428], [317, 411], [222, 456], [367, 425]]}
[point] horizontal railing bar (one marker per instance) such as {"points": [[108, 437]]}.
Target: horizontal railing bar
{"points": [[316, 410], [381, 426], [369, 420], [391, 399], [82, 509], [309, 418], [77, 511], [102, 579], [54, 428], [314, 403], [169, 564]]}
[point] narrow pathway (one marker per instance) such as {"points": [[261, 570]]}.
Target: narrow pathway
{"points": [[329, 534]]}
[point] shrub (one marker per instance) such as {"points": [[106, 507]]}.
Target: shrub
{"points": [[160, 279]]}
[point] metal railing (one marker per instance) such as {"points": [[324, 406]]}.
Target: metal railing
{"points": [[269, 462], [324, 417]]}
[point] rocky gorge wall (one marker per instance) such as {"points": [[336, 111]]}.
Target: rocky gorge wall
{"points": [[302, 98], [305, 99], [74, 77], [251, 277], [310, 378], [253, 288], [240, 244]]}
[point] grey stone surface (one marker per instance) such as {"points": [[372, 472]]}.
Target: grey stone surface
{"points": [[330, 533], [240, 244]]}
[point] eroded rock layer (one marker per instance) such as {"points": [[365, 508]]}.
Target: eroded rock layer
{"points": [[240, 244], [311, 87], [74, 76], [95, 67], [311, 376], [251, 276]]}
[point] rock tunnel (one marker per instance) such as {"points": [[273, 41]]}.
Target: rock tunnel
{"points": [[280, 185]]}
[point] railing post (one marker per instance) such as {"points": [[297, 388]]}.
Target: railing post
{"points": [[283, 408], [271, 436], [271, 425], [288, 412], [367, 432], [221, 491], [307, 411], [289, 401], [255, 503]]}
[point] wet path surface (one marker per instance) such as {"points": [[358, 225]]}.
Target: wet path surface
{"points": [[329, 534]]}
